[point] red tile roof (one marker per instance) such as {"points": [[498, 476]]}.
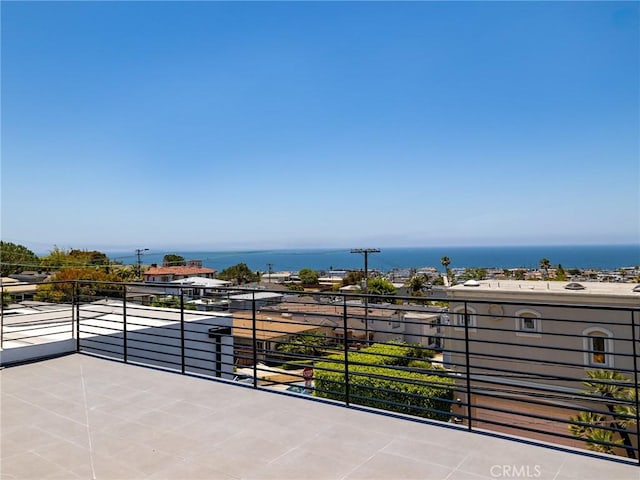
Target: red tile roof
{"points": [[178, 271]]}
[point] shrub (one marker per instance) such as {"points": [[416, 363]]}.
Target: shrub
{"points": [[297, 364], [420, 364], [377, 379]]}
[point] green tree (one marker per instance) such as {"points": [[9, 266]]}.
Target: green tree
{"points": [[171, 302], [308, 276], [238, 274], [519, 274], [353, 277], [125, 273], [6, 298], [382, 287], [63, 292], [89, 257], [417, 283], [303, 345], [59, 259], [173, 260], [16, 258], [545, 265], [620, 394], [474, 274], [561, 275]]}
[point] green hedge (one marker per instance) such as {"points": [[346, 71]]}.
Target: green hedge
{"points": [[392, 353], [384, 384], [297, 364]]}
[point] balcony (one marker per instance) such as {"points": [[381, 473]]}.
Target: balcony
{"points": [[152, 392]]}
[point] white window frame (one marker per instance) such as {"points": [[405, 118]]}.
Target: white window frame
{"points": [[459, 320], [520, 329], [588, 336]]}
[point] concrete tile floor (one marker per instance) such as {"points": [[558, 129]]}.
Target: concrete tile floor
{"points": [[84, 417]]}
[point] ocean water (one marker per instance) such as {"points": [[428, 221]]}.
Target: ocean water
{"points": [[578, 256]]}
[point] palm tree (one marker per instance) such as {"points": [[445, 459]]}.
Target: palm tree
{"points": [[585, 426], [588, 425], [545, 265], [446, 261]]}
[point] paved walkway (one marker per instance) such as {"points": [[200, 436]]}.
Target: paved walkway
{"points": [[83, 417]]}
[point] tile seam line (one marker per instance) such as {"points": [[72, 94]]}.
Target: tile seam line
{"points": [[455, 469], [365, 461], [86, 413]]}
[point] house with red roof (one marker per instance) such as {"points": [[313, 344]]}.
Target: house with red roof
{"points": [[168, 274]]}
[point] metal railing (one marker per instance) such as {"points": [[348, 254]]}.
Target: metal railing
{"points": [[552, 372]]}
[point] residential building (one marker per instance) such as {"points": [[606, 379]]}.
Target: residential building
{"points": [[17, 290], [271, 331], [540, 314], [198, 286], [425, 329], [275, 277], [157, 274], [530, 344], [256, 299]]}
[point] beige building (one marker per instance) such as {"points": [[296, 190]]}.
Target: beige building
{"points": [[271, 330], [532, 332], [530, 345], [18, 291]]}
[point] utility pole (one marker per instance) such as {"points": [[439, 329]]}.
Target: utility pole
{"points": [[270, 265], [139, 252], [366, 252]]}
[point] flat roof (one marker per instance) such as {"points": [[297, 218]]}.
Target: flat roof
{"points": [[592, 292], [97, 318], [268, 326], [80, 416], [256, 296], [202, 282]]}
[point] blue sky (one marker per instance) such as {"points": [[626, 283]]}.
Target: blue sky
{"points": [[215, 125]]}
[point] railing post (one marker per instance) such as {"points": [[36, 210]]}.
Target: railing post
{"points": [[182, 330], [634, 340], [75, 305], [346, 351], [2, 317], [124, 323], [467, 365], [254, 337]]}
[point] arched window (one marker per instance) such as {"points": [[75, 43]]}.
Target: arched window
{"points": [[598, 347], [528, 321], [460, 319]]}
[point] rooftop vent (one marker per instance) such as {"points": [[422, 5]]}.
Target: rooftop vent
{"points": [[637, 288], [574, 286], [471, 283]]}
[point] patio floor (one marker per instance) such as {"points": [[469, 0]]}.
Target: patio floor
{"points": [[84, 417]]}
